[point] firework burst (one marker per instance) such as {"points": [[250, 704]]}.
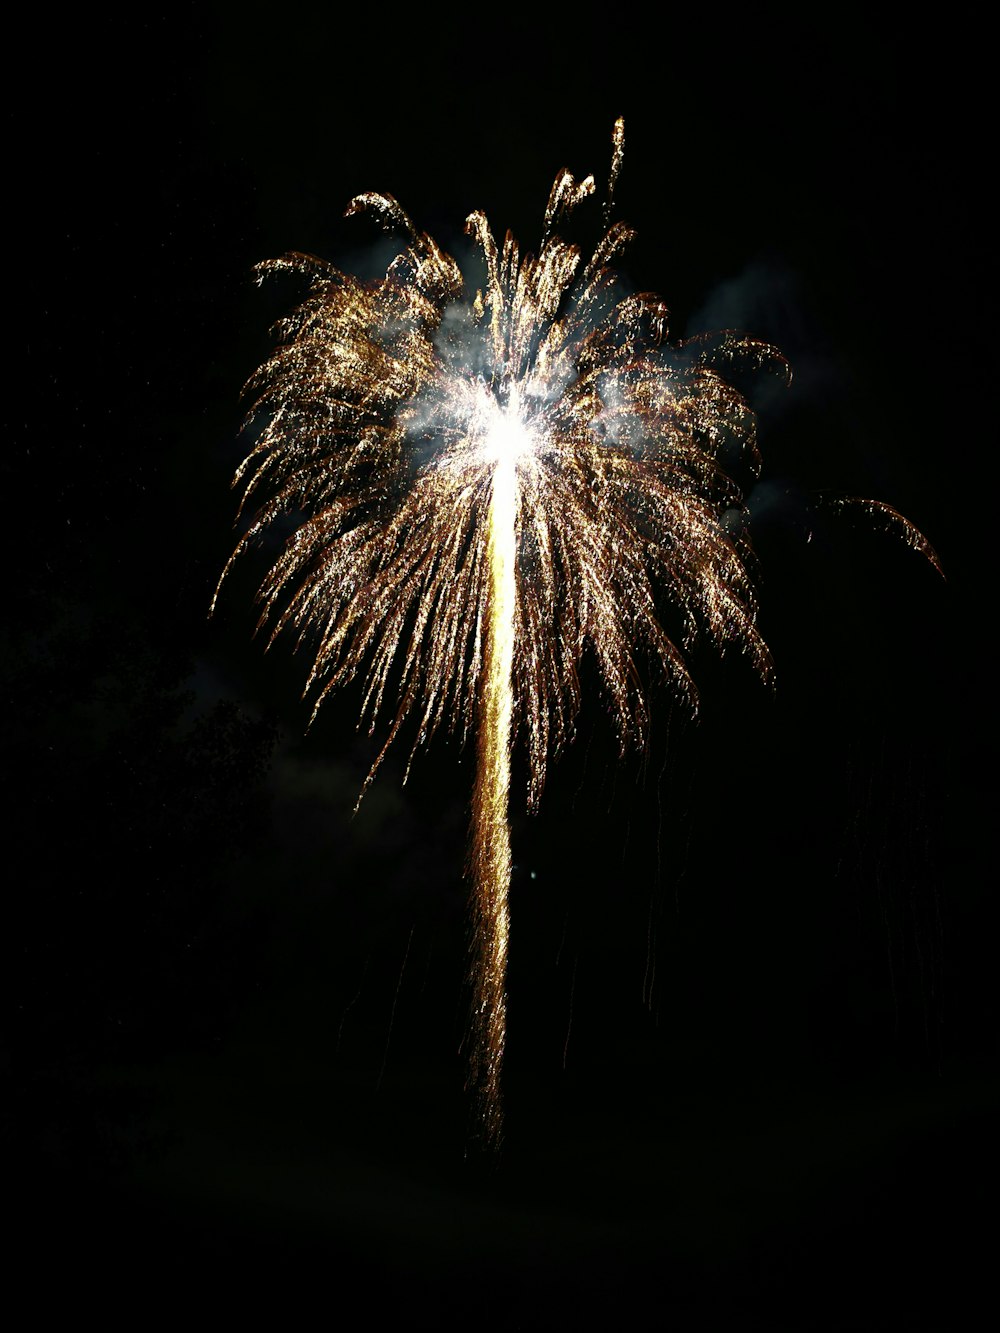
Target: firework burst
{"points": [[489, 485]]}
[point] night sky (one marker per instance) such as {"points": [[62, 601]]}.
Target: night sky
{"points": [[752, 1054]]}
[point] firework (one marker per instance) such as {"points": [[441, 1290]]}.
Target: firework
{"points": [[488, 485]]}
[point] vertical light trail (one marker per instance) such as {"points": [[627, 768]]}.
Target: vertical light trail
{"points": [[490, 850]]}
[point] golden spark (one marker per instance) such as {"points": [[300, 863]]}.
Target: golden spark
{"points": [[487, 488]]}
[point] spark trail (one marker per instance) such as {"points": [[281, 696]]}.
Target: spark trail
{"points": [[490, 859], [488, 487]]}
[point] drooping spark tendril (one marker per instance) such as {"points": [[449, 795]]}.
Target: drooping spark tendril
{"points": [[486, 489]]}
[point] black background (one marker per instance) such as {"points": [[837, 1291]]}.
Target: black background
{"points": [[751, 1076]]}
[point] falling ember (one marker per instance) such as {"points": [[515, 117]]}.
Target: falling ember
{"points": [[486, 488]]}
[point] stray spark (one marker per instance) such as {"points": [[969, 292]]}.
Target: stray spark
{"points": [[487, 486]]}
